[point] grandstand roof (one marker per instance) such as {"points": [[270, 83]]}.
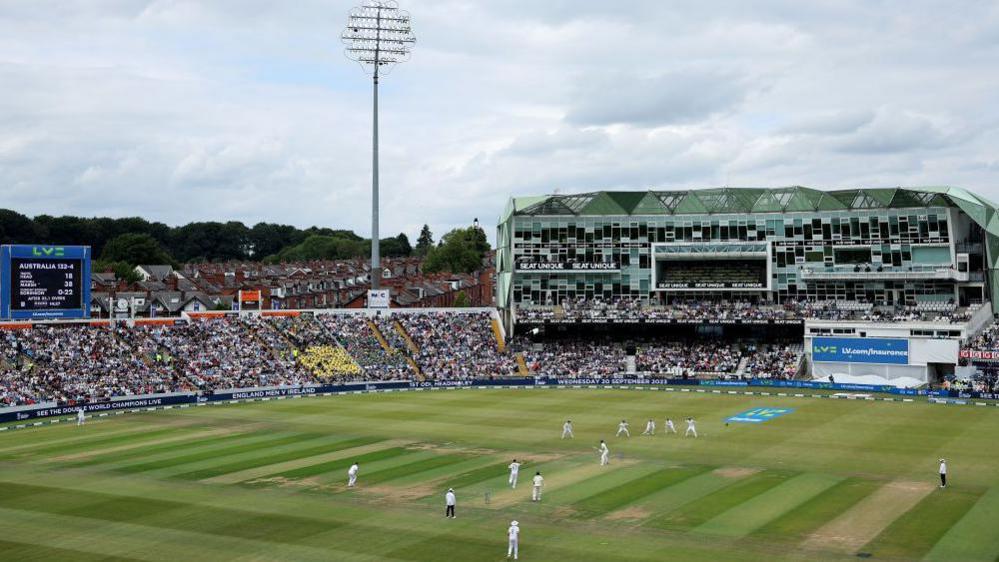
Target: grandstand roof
{"points": [[754, 200]]}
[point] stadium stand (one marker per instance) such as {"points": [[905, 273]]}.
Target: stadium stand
{"points": [[356, 336], [457, 346], [573, 359], [329, 362], [689, 359], [712, 310]]}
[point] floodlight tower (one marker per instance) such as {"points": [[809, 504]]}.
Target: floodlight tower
{"points": [[378, 36]]}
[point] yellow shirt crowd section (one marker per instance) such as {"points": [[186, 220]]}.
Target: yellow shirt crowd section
{"points": [[328, 361]]}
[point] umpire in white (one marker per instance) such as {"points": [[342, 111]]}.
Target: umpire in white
{"points": [[449, 502]]}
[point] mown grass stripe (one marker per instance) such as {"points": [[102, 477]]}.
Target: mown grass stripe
{"points": [[11, 550], [634, 490], [141, 452], [163, 513], [342, 464], [63, 449], [974, 536], [804, 519], [65, 435], [274, 441], [275, 458], [710, 506], [913, 534], [478, 475], [602, 478], [685, 492], [756, 512], [439, 476], [417, 467]]}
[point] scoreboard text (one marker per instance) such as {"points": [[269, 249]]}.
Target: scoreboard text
{"points": [[38, 282]]}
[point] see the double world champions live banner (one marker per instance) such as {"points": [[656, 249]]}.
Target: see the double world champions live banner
{"points": [[41, 282], [861, 350]]}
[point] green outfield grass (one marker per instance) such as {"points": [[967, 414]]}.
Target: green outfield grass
{"points": [[266, 480]]}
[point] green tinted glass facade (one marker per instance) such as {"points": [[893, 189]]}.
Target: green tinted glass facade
{"points": [[877, 245]]}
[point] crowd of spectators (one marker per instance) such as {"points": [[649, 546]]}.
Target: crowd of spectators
{"points": [[573, 359], [329, 362], [626, 309], [354, 333], [569, 358], [225, 353], [44, 364], [456, 346], [983, 380], [986, 340], [681, 359], [773, 361]]}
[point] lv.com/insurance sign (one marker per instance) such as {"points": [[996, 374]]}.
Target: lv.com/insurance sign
{"points": [[861, 350]]}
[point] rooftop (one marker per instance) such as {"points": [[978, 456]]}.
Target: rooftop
{"points": [[750, 200]]}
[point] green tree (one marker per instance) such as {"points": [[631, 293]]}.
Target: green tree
{"points": [[397, 247], [461, 300], [425, 242], [135, 249], [318, 247], [16, 228], [122, 270], [459, 251]]}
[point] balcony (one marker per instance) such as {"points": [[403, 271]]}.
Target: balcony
{"points": [[851, 273], [968, 247]]}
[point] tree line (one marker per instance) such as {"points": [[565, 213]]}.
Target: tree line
{"points": [[118, 244]]}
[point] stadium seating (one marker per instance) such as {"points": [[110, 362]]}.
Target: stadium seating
{"points": [[355, 334], [597, 310], [457, 346], [329, 362], [573, 359]]}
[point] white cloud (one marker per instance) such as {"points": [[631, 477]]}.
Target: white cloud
{"points": [[182, 110]]}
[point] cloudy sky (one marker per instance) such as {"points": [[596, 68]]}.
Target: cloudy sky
{"points": [[181, 110]]}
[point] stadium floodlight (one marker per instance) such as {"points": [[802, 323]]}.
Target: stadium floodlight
{"points": [[378, 36]]}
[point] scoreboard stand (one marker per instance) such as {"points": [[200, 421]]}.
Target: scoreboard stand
{"points": [[44, 282]]}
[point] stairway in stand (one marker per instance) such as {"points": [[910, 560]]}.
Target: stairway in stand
{"points": [[522, 364], [389, 349], [378, 336], [401, 330], [499, 335]]}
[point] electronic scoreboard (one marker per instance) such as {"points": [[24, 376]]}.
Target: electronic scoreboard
{"points": [[40, 282]]}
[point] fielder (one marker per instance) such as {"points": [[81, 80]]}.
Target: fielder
{"points": [[538, 482], [567, 430], [604, 453], [449, 503], [81, 417], [943, 473], [623, 428], [514, 472], [650, 427], [513, 533], [669, 427], [352, 475], [690, 428]]}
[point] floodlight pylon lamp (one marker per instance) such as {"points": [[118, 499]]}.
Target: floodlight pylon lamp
{"points": [[378, 36]]}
